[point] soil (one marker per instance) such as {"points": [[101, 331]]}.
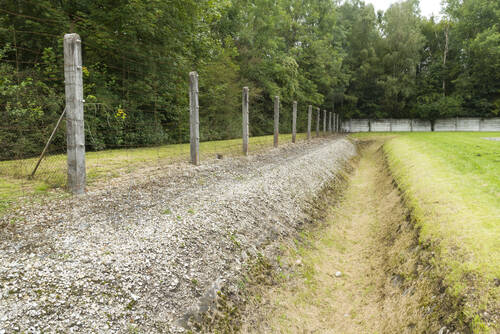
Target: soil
{"points": [[361, 271], [148, 251]]}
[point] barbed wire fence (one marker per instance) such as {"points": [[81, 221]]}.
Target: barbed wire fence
{"points": [[31, 104], [118, 141]]}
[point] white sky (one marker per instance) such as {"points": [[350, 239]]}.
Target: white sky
{"points": [[427, 7]]}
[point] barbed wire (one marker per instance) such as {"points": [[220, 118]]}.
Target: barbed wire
{"points": [[125, 126], [30, 17]]}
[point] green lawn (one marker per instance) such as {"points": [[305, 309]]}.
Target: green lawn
{"points": [[451, 181], [104, 165]]}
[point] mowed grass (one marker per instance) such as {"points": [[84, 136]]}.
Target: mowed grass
{"points": [[108, 164], [451, 181]]}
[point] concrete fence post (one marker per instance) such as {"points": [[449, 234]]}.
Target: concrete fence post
{"points": [[194, 118], [317, 122], [294, 122], [276, 120], [75, 128], [245, 120], [330, 122], [309, 121], [324, 122]]}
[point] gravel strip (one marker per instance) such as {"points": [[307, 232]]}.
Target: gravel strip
{"points": [[140, 254]]}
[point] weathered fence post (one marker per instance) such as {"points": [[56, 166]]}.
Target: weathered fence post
{"points": [[245, 120], [324, 122], [276, 120], [317, 122], [309, 121], [294, 122], [334, 127], [330, 122], [75, 131], [194, 118]]}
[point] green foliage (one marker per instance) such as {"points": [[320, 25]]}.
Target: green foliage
{"points": [[137, 56]]}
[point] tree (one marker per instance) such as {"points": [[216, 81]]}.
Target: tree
{"points": [[402, 45]]}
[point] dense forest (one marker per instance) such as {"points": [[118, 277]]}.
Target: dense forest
{"points": [[333, 54]]}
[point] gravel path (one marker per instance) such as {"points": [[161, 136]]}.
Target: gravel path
{"points": [[141, 254]]}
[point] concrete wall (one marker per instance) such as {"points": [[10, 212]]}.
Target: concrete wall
{"points": [[491, 125], [419, 125], [468, 124], [380, 125], [359, 125], [416, 125], [401, 125], [449, 124]]}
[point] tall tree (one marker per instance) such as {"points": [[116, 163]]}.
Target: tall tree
{"points": [[402, 45]]}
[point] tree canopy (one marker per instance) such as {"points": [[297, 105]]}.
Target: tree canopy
{"points": [[331, 54]]}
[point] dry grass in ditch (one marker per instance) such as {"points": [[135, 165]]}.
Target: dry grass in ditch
{"points": [[384, 286]]}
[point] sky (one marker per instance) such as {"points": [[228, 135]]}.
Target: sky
{"points": [[427, 7]]}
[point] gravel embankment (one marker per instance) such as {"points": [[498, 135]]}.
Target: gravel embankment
{"points": [[139, 255]]}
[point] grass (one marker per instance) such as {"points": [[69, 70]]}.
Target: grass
{"points": [[105, 165], [451, 182], [12, 190], [9, 190], [352, 240]]}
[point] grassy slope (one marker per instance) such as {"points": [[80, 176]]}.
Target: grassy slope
{"points": [[364, 298], [452, 183], [104, 165]]}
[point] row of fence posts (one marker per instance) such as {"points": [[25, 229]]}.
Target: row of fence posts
{"points": [[194, 118], [75, 121]]}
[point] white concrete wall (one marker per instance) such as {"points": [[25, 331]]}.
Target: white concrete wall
{"points": [[416, 125], [468, 124], [401, 125], [419, 125], [359, 125], [380, 125], [449, 124], [491, 124], [344, 126]]}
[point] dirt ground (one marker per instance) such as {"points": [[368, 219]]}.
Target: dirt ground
{"points": [[347, 273], [143, 253]]}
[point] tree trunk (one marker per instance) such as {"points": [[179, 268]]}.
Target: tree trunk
{"points": [[445, 54]]}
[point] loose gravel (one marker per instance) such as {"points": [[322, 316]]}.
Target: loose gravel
{"points": [[139, 254]]}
